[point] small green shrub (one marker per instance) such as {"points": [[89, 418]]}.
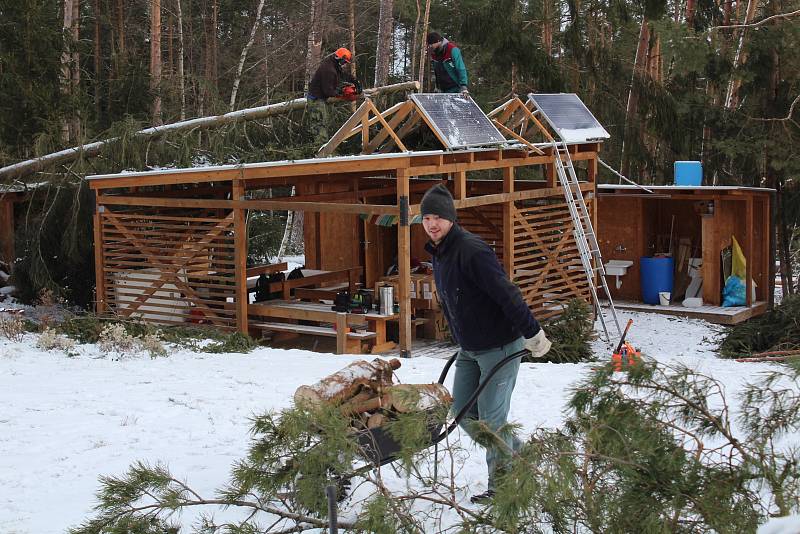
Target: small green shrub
{"points": [[570, 334], [778, 329]]}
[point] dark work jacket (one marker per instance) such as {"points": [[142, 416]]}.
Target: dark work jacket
{"points": [[483, 308], [327, 79]]}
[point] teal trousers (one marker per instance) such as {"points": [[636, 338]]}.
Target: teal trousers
{"points": [[494, 401]]}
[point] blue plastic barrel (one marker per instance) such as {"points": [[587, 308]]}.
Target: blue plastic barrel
{"points": [[656, 276], [688, 172]]}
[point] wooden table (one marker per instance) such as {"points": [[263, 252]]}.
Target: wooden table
{"points": [[313, 311]]}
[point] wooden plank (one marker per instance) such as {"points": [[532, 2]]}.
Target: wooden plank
{"points": [[313, 330], [267, 269], [404, 265]]}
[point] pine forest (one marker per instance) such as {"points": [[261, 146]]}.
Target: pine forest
{"points": [[712, 81]]}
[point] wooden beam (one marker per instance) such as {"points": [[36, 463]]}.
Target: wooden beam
{"points": [[508, 223], [99, 264], [748, 234], [460, 183], [240, 258], [402, 113], [389, 129], [519, 138], [342, 134], [500, 198], [267, 269], [7, 230], [261, 205], [404, 263]]}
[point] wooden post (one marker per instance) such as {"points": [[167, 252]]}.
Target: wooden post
{"points": [[550, 173], [748, 283], [591, 168], [460, 182], [404, 262], [240, 258], [7, 230], [766, 258], [508, 223], [99, 264], [341, 333]]}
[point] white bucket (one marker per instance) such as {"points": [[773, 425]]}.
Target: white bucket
{"points": [[663, 297]]}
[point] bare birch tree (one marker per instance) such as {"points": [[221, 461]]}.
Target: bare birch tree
{"points": [[181, 52], [314, 48], [243, 56], [639, 64], [424, 45], [70, 66]]}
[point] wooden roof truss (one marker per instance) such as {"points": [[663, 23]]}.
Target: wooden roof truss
{"points": [[383, 132]]}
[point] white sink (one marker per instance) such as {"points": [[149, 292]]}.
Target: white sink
{"points": [[617, 267]]}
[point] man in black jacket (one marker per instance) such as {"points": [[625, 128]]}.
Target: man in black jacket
{"points": [[488, 318], [330, 81]]}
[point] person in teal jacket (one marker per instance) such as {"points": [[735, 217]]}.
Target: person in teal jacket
{"points": [[448, 64]]}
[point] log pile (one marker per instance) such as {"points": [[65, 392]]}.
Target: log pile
{"points": [[365, 392]]}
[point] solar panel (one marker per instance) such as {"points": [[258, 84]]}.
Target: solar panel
{"points": [[457, 120], [569, 117]]}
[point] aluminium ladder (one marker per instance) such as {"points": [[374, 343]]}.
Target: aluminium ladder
{"points": [[585, 237]]}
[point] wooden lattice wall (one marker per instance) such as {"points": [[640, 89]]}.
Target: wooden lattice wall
{"points": [[547, 265], [487, 223], [169, 268]]}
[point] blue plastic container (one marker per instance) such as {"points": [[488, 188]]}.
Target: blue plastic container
{"points": [[688, 173], [656, 276]]}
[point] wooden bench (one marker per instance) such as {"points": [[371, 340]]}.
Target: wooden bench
{"points": [[351, 345]]}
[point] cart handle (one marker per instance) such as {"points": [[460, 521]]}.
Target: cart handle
{"points": [[474, 398]]}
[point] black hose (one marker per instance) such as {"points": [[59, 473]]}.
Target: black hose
{"points": [[474, 398]]}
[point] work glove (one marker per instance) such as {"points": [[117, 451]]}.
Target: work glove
{"points": [[538, 345], [464, 91]]}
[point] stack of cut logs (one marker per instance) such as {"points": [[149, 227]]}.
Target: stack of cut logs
{"points": [[365, 391]]}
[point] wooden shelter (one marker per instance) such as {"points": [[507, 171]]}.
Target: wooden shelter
{"points": [[635, 223], [171, 245]]}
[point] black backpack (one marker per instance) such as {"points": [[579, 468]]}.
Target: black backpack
{"points": [[341, 303], [262, 286]]}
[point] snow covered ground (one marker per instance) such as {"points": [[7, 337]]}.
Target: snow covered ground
{"points": [[64, 421]]}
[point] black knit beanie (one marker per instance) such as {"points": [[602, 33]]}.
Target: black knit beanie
{"points": [[438, 201], [433, 38]]}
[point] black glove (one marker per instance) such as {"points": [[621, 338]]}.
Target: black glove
{"points": [[357, 84]]}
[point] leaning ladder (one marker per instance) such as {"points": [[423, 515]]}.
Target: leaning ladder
{"points": [[585, 236]]}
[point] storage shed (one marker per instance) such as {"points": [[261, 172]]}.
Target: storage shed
{"points": [[694, 226], [171, 245]]}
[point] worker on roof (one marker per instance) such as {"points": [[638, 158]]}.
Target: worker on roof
{"points": [[488, 319], [332, 81], [448, 65]]}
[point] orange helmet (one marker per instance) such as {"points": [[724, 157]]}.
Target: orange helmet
{"points": [[343, 54]]}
